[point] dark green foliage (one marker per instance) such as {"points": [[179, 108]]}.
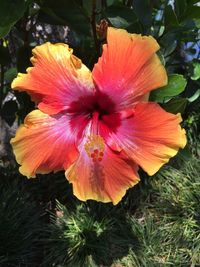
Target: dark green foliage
{"points": [[174, 26], [159, 226], [192, 125], [21, 224], [143, 10], [120, 16], [4, 55], [65, 13], [158, 222], [168, 227], [88, 236], [176, 105], [10, 12], [176, 85]]}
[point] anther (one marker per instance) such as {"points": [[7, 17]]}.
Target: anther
{"points": [[95, 147], [101, 154]]}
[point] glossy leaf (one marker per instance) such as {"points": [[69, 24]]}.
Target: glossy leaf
{"points": [[176, 105], [170, 17], [10, 12], [143, 11], [195, 96], [193, 12], [192, 2], [110, 2], [87, 5], [169, 43], [180, 7], [176, 85], [70, 13], [4, 30], [120, 16], [185, 153], [196, 71], [10, 74], [197, 22]]}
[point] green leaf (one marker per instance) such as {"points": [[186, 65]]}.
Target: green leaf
{"points": [[143, 10], [87, 5], [110, 2], [192, 2], [176, 105], [194, 96], [180, 7], [176, 85], [193, 12], [169, 43], [197, 22], [196, 71], [170, 17], [161, 57], [10, 74], [62, 12], [4, 30], [10, 12], [185, 153], [120, 16]]}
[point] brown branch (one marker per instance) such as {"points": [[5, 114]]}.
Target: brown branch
{"points": [[104, 3], [129, 3], [2, 77], [12, 48], [93, 24]]}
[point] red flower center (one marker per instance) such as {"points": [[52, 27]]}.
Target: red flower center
{"points": [[98, 105]]}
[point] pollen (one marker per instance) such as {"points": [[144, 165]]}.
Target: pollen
{"points": [[95, 147]]}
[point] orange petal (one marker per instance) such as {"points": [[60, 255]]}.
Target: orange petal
{"points": [[129, 67], [56, 79], [44, 143], [151, 136], [101, 174]]}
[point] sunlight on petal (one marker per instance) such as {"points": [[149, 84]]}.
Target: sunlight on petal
{"points": [[56, 78], [101, 174], [99, 127], [151, 136], [44, 144], [128, 67]]}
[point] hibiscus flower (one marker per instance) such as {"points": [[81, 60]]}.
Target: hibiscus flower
{"points": [[97, 126]]}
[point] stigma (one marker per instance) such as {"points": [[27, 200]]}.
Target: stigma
{"points": [[95, 147]]}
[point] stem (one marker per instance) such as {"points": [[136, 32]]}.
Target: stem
{"points": [[2, 78], [13, 48], [129, 3], [104, 3], [93, 24], [2, 84]]}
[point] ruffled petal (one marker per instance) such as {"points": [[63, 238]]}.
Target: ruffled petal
{"points": [[100, 173], [57, 79], [128, 68], [150, 137], [46, 143]]}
